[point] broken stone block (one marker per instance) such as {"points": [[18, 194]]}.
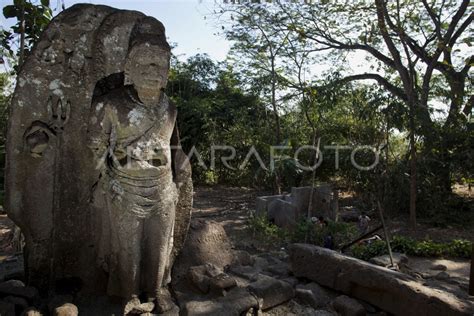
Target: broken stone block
{"points": [[313, 294], [67, 309], [280, 269], [242, 258], [384, 260], [347, 306], [282, 213], [236, 302], [376, 285], [207, 243], [246, 272], [222, 282], [272, 291], [199, 276], [261, 207]]}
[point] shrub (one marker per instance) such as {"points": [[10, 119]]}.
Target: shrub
{"points": [[424, 248]]}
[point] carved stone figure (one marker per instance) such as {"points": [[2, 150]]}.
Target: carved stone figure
{"points": [[95, 176]]}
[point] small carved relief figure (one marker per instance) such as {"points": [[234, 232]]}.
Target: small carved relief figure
{"points": [[130, 131]]}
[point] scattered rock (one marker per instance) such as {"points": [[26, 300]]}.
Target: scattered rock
{"points": [[279, 269], [313, 294], [271, 290], [347, 306], [242, 258], [384, 260], [260, 262], [439, 267], [18, 288], [376, 285], [222, 282], [293, 281], [442, 276], [246, 272], [200, 276], [236, 302], [67, 309]]}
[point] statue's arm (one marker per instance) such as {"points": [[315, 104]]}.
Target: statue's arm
{"points": [[99, 133]]}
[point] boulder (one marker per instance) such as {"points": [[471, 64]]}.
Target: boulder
{"points": [[272, 291], [388, 290], [207, 243], [384, 260], [347, 306], [313, 294]]}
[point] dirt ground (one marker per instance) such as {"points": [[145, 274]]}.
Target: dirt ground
{"points": [[231, 206]]}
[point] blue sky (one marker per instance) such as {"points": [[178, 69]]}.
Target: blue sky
{"points": [[183, 19]]}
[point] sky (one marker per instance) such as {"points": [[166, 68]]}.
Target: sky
{"points": [[183, 19]]}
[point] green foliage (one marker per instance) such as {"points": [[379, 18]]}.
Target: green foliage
{"points": [[36, 16], [424, 248], [376, 248], [303, 232], [266, 232]]}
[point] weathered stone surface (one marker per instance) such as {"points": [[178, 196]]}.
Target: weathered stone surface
{"points": [[282, 213], [87, 76], [67, 309], [384, 260], [313, 294], [236, 302], [322, 195], [18, 288], [347, 306], [246, 272], [391, 291], [207, 243], [242, 258], [272, 291], [261, 208]]}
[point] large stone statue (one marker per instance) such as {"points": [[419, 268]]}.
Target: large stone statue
{"points": [[95, 176]]}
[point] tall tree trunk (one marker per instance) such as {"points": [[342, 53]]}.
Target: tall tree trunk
{"points": [[277, 179], [22, 34], [471, 275], [413, 170]]}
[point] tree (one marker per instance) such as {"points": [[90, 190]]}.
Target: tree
{"points": [[257, 49], [414, 46], [32, 18]]}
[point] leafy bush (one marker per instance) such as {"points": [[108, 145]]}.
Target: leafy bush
{"points": [[365, 252], [304, 232], [424, 248]]}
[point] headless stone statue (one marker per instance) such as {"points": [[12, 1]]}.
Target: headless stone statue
{"points": [[95, 176]]}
